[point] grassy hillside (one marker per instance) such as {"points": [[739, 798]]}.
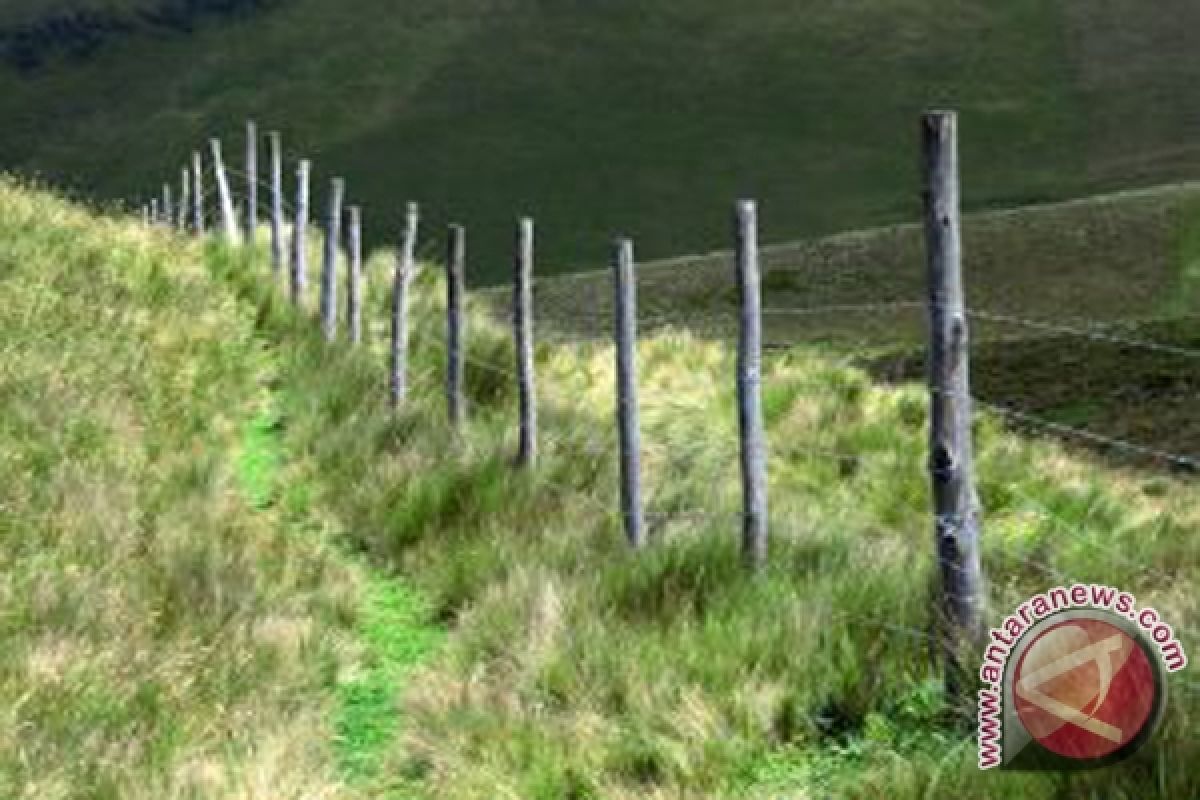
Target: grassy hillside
{"points": [[576, 669], [158, 637], [643, 118]]}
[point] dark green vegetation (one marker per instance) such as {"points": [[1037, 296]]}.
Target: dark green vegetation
{"points": [[643, 118], [576, 669]]}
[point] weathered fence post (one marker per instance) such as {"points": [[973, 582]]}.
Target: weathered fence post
{"points": [[277, 249], [749, 388], [146, 215], [300, 234], [950, 453], [251, 182], [228, 217], [333, 241], [354, 275], [185, 198], [628, 430], [154, 218], [168, 208], [523, 336], [398, 374], [455, 288], [198, 191]]}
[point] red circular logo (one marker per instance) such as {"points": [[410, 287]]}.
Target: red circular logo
{"points": [[1084, 689]]}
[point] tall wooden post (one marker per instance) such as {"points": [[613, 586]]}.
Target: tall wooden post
{"points": [[278, 258], [956, 506], [185, 198], [251, 182], [168, 208], [229, 226], [354, 274], [198, 193], [300, 234], [333, 241], [749, 388], [523, 339], [455, 323], [154, 218], [405, 266], [628, 428]]}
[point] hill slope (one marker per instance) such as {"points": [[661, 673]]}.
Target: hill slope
{"points": [[158, 638], [624, 116], [161, 640]]}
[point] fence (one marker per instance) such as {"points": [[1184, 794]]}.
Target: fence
{"points": [[956, 517]]}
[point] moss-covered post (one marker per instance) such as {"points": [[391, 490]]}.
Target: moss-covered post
{"points": [[956, 506], [405, 266], [628, 429]]}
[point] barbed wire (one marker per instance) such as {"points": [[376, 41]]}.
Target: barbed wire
{"points": [[1088, 334]]}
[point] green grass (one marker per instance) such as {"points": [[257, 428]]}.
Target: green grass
{"points": [[574, 668], [647, 119], [159, 638]]}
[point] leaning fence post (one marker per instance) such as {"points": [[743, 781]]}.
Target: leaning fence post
{"points": [[185, 198], [228, 217], [333, 237], [300, 234], [956, 505], [523, 335], [628, 429], [398, 375], [455, 268], [354, 274], [198, 191], [749, 388], [251, 182], [277, 249]]}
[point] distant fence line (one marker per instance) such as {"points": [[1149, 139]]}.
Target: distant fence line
{"points": [[956, 513]]}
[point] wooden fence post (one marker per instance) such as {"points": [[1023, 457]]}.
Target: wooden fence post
{"points": [[455, 287], [185, 198], [278, 259], [198, 191], [523, 336], [251, 182], [628, 429], [333, 241], [956, 506], [405, 265], [300, 235], [228, 217], [354, 275], [168, 208], [153, 210], [749, 388], [146, 215]]}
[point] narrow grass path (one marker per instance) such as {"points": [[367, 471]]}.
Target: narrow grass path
{"points": [[393, 623]]}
